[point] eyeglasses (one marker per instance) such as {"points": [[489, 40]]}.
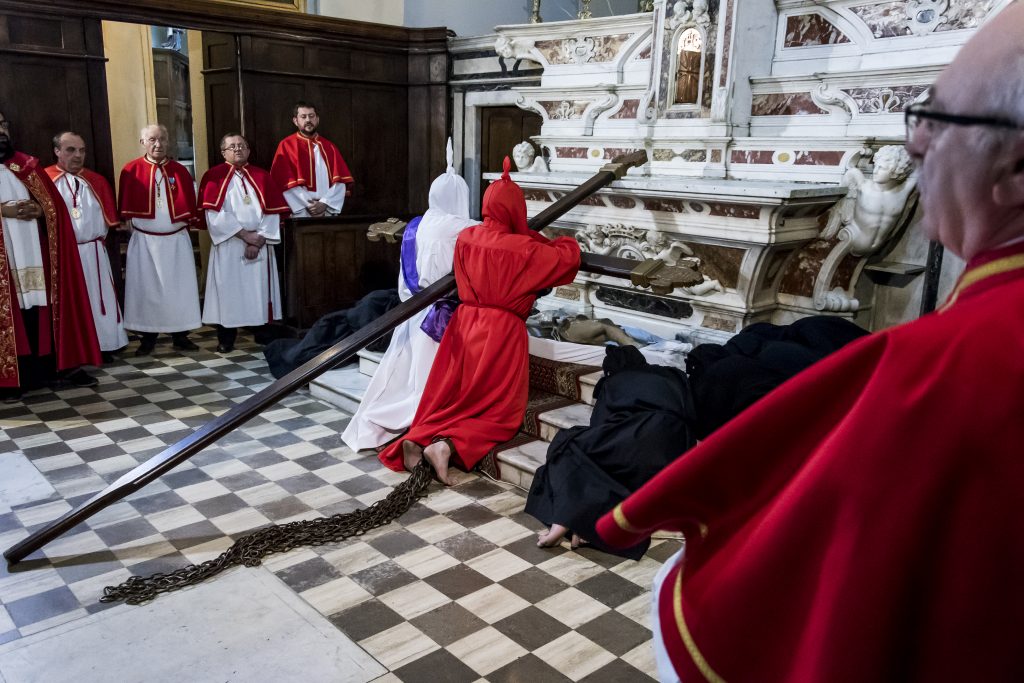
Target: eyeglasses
{"points": [[234, 148], [916, 114]]}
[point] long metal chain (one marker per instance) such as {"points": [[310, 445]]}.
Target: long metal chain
{"points": [[249, 550]]}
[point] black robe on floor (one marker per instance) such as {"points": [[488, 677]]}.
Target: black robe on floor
{"points": [[727, 379], [284, 355], [641, 422]]}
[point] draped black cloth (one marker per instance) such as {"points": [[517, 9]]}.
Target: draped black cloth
{"points": [[641, 423], [727, 379], [284, 355]]}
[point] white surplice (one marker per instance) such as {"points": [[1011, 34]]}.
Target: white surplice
{"points": [[90, 231], [23, 246], [298, 197], [239, 292], [394, 392], [161, 291]]}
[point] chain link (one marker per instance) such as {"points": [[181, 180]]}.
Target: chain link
{"points": [[249, 550]]}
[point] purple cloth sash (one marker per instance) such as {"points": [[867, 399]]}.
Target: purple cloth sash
{"points": [[441, 312]]}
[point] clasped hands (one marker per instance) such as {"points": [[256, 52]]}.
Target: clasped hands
{"points": [[22, 209], [253, 243], [316, 207]]}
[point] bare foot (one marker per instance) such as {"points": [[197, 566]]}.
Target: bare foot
{"points": [[412, 453], [577, 542], [551, 537], [438, 454]]}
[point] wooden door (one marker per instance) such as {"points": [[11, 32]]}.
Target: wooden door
{"points": [[502, 128]]}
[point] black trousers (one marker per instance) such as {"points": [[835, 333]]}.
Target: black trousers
{"points": [[226, 335], [149, 338]]}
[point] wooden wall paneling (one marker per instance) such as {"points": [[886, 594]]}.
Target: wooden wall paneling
{"points": [[269, 101], [380, 152], [221, 82], [329, 265]]}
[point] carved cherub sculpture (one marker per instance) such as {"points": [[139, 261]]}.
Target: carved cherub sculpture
{"points": [[595, 240], [873, 208], [523, 154], [701, 16]]}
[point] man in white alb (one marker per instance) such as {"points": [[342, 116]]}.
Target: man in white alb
{"points": [[309, 168], [243, 214], [157, 197], [90, 202]]}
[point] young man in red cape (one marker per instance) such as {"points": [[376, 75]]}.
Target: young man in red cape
{"points": [[90, 201], [862, 522], [477, 389], [45, 319], [309, 167], [243, 208]]}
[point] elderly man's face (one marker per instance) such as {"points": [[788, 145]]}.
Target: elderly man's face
{"points": [[154, 141], [306, 120], [6, 143], [235, 150], [71, 153]]}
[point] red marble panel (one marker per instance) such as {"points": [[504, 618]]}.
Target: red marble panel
{"points": [[571, 152], [785, 104], [800, 273], [620, 201], [885, 100], [532, 195], [718, 262], [645, 53], [662, 204], [804, 30], [734, 210], [716, 156], [751, 156], [726, 44], [715, 323], [592, 200], [818, 158], [627, 110]]}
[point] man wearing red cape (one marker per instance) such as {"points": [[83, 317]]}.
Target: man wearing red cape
{"points": [[90, 201], [158, 198], [309, 167], [243, 214], [45, 320], [862, 522], [477, 389]]}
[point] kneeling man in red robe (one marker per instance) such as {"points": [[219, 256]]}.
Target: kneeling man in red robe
{"points": [[862, 522], [477, 389]]}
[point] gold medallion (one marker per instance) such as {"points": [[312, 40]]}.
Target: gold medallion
{"points": [[14, 167], [159, 203], [76, 213], [247, 199]]}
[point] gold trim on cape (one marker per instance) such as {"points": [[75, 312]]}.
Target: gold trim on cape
{"points": [[684, 632]]}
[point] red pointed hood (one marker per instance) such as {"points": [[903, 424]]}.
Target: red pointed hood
{"points": [[504, 207]]}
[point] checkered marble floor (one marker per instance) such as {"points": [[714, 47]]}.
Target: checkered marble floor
{"points": [[455, 590]]}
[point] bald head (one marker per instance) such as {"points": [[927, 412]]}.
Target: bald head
{"points": [[971, 169]]}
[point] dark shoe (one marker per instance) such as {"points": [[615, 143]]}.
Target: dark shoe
{"points": [[12, 395], [108, 358], [145, 349], [224, 348], [185, 344], [80, 378]]}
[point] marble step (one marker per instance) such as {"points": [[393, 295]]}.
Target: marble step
{"points": [[587, 385], [368, 361], [343, 388], [519, 464]]}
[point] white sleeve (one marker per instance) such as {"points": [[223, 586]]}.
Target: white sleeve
{"points": [[335, 197], [270, 227], [297, 198], [222, 225]]}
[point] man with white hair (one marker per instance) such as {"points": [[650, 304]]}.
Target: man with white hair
{"points": [[90, 202], [158, 199], [428, 246], [862, 522]]}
